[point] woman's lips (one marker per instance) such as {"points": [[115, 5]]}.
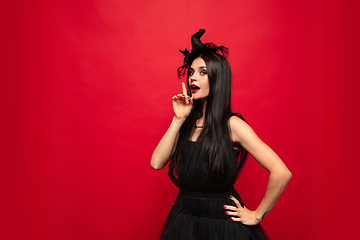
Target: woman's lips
{"points": [[195, 90]]}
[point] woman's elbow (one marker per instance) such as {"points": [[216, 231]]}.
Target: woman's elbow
{"points": [[155, 167], [286, 175], [283, 175], [155, 164]]}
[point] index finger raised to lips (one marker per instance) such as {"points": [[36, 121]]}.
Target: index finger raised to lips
{"points": [[184, 89]]}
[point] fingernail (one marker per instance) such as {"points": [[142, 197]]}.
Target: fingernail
{"points": [[231, 218], [226, 213], [224, 206], [231, 196]]}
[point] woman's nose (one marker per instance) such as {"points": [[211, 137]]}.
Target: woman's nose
{"points": [[193, 78]]}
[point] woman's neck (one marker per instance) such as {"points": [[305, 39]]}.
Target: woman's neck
{"points": [[204, 102], [200, 121]]}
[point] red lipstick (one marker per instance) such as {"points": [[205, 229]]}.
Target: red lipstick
{"points": [[194, 88]]}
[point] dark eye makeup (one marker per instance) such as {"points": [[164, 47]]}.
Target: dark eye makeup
{"points": [[202, 72]]}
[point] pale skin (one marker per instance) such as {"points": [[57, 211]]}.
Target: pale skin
{"points": [[240, 133]]}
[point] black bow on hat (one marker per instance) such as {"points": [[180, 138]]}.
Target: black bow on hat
{"points": [[197, 48]]}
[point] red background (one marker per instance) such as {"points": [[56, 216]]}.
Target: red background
{"points": [[86, 92]]}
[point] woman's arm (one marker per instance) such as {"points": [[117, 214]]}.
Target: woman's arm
{"points": [[279, 177], [166, 146], [182, 105]]}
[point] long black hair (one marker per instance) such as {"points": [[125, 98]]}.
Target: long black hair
{"points": [[215, 135]]}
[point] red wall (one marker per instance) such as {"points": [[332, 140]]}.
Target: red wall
{"points": [[86, 92]]}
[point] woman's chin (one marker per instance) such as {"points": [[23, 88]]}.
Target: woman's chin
{"points": [[202, 98], [195, 97]]}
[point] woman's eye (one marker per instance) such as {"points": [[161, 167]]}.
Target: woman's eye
{"points": [[191, 73], [203, 72]]}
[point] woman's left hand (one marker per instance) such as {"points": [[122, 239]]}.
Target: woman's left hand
{"points": [[241, 214]]}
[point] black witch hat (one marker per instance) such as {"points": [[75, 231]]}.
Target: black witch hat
{"points": [[197, 48]]}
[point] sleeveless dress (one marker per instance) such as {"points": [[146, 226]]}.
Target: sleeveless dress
{"points": [[198, 212]]}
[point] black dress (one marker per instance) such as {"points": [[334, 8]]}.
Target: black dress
{"points": [[198, 212]]}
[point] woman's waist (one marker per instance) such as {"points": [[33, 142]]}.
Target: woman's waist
{"points": [[207, 194], [204, 204]]}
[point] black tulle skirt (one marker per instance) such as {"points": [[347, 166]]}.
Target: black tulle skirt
{"points": [[201, 216]]}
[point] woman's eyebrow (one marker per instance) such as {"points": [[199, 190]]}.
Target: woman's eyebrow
{"points": [[201, 67]]}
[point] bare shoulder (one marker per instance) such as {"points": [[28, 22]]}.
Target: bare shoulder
{"points": [[235, 121], [243, 134], [238, 126], [240, 131]]}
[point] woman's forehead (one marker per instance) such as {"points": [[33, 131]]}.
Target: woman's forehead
{"points": [[198, 63]]}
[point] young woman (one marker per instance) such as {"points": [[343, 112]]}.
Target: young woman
{"points": [[207, 145]]}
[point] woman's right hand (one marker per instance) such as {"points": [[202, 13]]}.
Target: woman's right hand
{"points": [[182, 104]]}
